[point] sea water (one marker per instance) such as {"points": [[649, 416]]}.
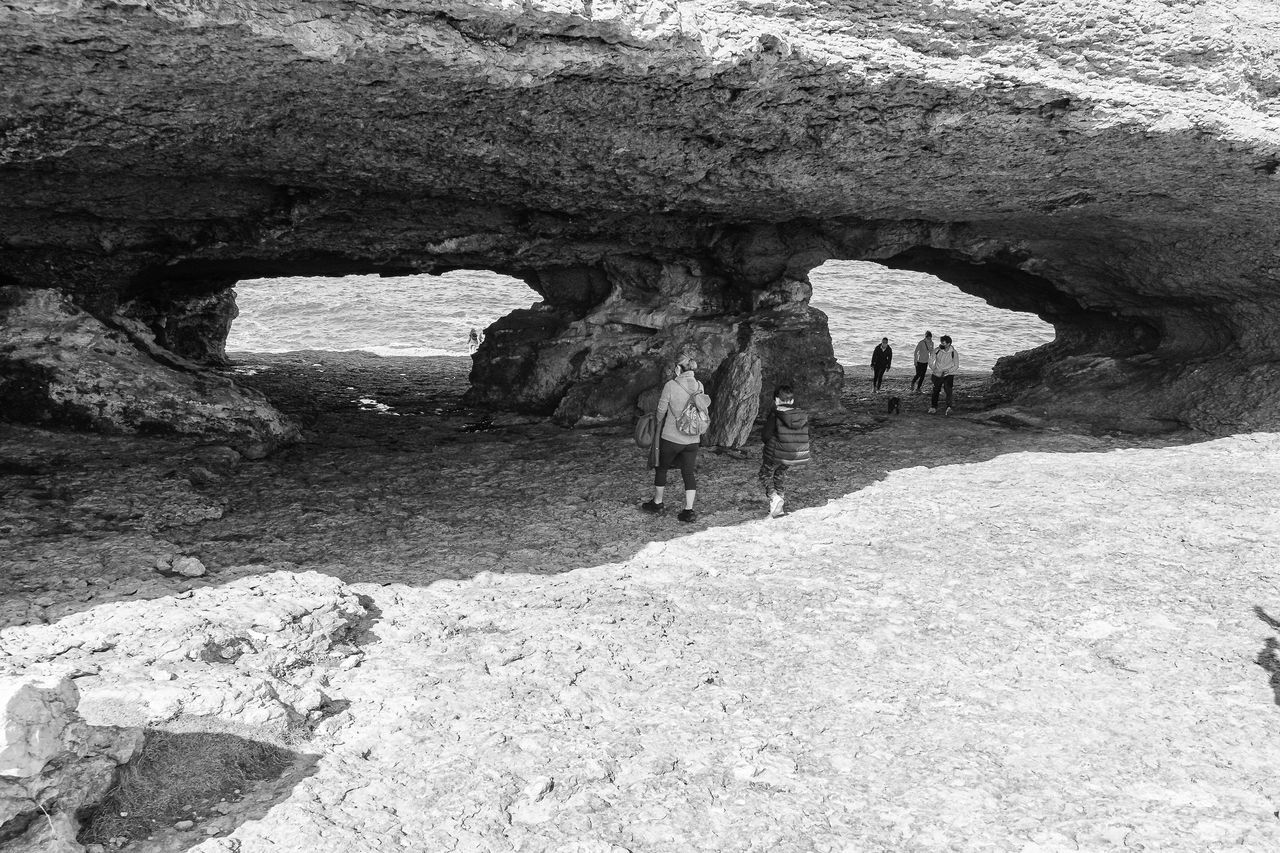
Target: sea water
{"points": [[419, 315]]}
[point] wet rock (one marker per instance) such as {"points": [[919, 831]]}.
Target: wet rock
{"points": [[200, 476], [219, 458]]}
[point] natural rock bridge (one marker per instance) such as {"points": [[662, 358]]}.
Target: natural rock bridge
{"points": [[662, 173]]}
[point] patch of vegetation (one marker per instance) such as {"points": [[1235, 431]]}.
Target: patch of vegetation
{"points": [[180, 776]]}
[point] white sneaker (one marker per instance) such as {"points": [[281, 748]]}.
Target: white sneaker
{"points": [[775, 506], [948, 410], [933, 411]]}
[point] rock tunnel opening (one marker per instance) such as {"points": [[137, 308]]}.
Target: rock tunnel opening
{"points": [[866, 301], [420, 317], [411, 315]]}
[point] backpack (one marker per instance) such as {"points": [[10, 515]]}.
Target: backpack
{"points": [[695, 419], [646, 430]]}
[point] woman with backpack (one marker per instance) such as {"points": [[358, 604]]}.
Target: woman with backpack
{"points": [[677, 413]]}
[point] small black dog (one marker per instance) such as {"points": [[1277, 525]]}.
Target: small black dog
{"points": [[895, 405]]}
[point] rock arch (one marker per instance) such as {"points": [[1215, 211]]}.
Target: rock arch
{"points": [[662, 172]]}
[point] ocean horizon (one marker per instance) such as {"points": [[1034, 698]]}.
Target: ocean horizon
{"points": [[424, 315]]}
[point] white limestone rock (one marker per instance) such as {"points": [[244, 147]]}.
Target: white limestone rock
{"points": [[52, 763], [252, 651]]}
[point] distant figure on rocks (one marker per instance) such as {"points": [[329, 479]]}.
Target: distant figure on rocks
{"points": [[924, 355], [676, 449], [881, 360], [786, 444], [946, 361], [473, 340]]}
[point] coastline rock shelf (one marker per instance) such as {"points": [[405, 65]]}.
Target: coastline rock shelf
{"points": [[664, 174]]}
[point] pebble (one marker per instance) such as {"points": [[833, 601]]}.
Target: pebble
{"points": [[184, 825], [188, 567]]}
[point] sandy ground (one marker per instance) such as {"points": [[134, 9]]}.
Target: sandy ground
{"points": [[964, 636]]}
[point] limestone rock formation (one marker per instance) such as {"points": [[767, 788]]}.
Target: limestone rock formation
{"points": [[52, 764], [254, 652], [60, 364], [668, 172], [738, 402]]}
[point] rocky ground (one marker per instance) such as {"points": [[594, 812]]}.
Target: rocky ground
{"points": [[979, 632]]}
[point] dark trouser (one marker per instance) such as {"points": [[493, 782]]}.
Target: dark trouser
{"points": [[682, 456], [922, 367], [773, 477], [940, 382], [879, 376]]}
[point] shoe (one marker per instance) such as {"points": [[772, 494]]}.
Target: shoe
{"points": [[933, 411], [948, 410], [687, 515], [775, 506], [650, 506]]}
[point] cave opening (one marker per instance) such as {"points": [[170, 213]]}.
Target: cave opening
{"points": [[384, 344], [410, 315], [865, 301]]}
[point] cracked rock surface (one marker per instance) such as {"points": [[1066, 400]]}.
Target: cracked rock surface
{"points": [[977, 632]]}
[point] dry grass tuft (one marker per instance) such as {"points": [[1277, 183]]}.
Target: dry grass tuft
{"points": [[180, 775]]}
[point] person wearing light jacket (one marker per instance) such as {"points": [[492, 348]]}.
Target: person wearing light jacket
{"points": [[676, 449], [924, 355], [946, 362]]}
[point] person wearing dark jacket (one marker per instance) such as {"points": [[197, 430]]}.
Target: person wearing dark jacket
{"points": [[786, 445], [881, 360]]}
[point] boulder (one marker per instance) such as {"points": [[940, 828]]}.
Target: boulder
{"points": [[61, 365], [52, 764], [737, 402]]}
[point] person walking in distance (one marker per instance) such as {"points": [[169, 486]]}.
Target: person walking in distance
{"points": [[676, 449], [924, 355], [786, 445], [881, 360], [946, 361]]}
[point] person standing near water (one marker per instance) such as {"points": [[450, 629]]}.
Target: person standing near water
{"points": [[881, 360], [946, 361], [676, 449], [473, 340], [924, 355]]}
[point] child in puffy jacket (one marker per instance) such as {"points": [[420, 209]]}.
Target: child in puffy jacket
{"points": [[786, 444]]}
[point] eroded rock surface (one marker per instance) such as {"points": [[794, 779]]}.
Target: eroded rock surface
{"points": [[961, 634], [666, 173], [60, 365], [52, 764], [255, 651]]}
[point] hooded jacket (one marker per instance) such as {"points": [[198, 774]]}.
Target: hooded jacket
{"points": [[675, 396], [945, 361], [786, 436]]}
